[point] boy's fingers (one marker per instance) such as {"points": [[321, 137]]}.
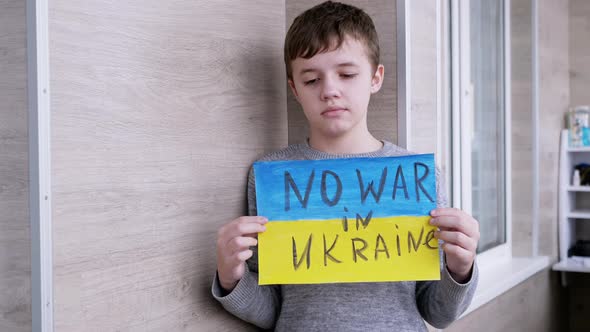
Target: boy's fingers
{"points": [[456, 238], [236, 260], [458, 252], [446, 222], [453, 213], [238, 221], [240, 243], [239, 229], [238, 270], [447, 212], [244, 255], [462, 223], [252, 219]]}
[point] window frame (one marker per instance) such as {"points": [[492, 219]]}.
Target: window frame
{"points": [[500, 271], [460, 103]]}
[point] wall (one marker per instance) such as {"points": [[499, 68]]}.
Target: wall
{"points": [[158, 109], [579, 52], [579, 55], [15, 240], [382, 116], [423, 77], [531, 306], [522, 129], [554, 99], [578, 290]]}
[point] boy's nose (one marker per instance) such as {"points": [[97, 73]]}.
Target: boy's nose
{"points": [[329, 89]]}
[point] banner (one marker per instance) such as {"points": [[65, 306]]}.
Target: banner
{"points": [[347, 220]]}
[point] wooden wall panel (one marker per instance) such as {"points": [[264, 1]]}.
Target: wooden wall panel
{"points": [[578, 290], [554, 99], [15, 240], [158, 109], [382, 116], [579, 52], [522, 135], [533, 305], [423, 76]]}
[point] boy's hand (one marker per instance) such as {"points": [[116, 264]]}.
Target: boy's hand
{"points": [[460, 232], [233, 248]]}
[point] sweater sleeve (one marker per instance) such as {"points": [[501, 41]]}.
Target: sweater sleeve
{"points": [[441, 302], [249, 301]]}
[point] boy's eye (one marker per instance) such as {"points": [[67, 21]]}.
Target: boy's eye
{"points": [[312, 81], [348, 75]]}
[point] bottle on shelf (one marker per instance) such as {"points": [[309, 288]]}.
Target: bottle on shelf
{"points": [[576, 178]]}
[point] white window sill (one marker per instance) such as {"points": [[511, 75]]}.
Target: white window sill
{"points": [[501, 276]]}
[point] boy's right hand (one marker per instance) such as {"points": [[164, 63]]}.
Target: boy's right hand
{"points": [[233, 248]]}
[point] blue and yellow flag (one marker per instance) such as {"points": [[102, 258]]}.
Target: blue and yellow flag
{"points": [[347, 220]]}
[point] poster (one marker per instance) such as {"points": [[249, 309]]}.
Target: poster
{"points": [[347, 220]]}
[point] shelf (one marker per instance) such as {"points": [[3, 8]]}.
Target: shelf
{"points": [[568, 158], [580, 149], [579, 188], [580, 214], [571, 266]]}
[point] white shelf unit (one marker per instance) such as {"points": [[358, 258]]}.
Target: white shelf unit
{"points": [[568, 214]]}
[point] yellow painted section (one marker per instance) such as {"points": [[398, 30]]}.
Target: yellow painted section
{"points": [[377, 255]]}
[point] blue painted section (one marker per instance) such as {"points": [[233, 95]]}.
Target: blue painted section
{"points": [[277, 184]]}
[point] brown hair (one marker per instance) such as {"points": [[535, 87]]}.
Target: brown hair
{"points": [[324, 27]]}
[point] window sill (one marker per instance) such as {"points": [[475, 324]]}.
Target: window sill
{"points": [[495, 279]]}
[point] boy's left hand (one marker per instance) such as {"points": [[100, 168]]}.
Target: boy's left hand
{"points": [[460, 233]]}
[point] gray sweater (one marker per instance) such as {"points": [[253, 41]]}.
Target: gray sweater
{"points": [[377, 306]]}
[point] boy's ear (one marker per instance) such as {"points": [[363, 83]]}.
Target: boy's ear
{"points": [[377, 79], [292, 86]]}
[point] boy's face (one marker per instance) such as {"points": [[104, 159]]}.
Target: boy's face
{"points": [[334, 89]]}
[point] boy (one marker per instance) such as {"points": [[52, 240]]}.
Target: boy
{"points": [[332, 60]]}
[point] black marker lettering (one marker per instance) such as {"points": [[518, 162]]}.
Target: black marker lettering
{"points": [[336, 197], [418, 181], [365, 193], [400, 175], [356, 251], [399, 251], [377, 250], [412, 242], [345, 223], [327, 252], [306, 253], [290, 183], [430, 237], [365, 222]]}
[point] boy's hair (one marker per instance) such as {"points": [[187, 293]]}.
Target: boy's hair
{"points": [[323, 28]]}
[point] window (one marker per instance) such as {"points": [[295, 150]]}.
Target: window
{"points": [[478, 117], [475, 128]]}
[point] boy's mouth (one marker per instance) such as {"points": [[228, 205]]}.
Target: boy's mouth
{"points": [[333, 111]]}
